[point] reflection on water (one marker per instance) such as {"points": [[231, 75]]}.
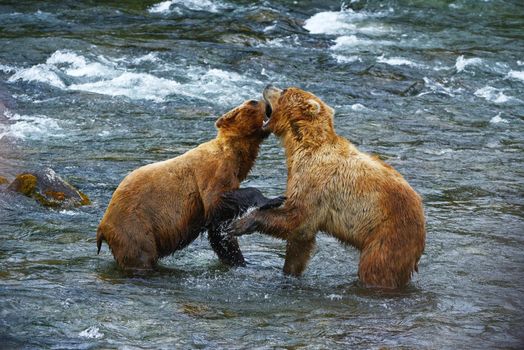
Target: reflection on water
{"points": [[94, 90]]}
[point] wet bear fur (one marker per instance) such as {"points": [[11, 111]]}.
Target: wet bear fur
{"points": [[334, 188], [162, 207]]}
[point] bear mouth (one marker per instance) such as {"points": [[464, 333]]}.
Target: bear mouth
{"points": [[267, 115]]}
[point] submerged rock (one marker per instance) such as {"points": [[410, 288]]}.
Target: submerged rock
{"points": [[48, 189]]}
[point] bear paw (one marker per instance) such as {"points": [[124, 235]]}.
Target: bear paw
{"points": [[243, 226], [273, 203]]}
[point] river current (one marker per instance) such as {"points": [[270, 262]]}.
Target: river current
{"points": [[95, 89]]}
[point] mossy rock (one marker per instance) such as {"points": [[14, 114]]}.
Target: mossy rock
{"points": [[48, 189], [3, 181]]}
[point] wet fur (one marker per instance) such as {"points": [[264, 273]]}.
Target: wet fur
{"points": [[335, 188], [162, 207]]}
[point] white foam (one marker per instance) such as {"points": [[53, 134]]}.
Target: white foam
{"points": [[76, 65], [7, 69], [60, 61], [520, 63], [220, 86], [150, 57], [162, 7], [350, 42], [397, 61], [68, 70], [66, 57], [91, 333], [132, 85], [286, 41], [516, 75], [328, 23], [271, 27], [343, 22], [264, 73], [91, 70], [439, 151], [346, 59], [42, 73], [462, 62], [30, 127], [359, 107], [493, 95], [170, 6], [277, 42], [334, 296], [440, 67], [440, 88], [497, 119], [217, 75], [69, 212]]}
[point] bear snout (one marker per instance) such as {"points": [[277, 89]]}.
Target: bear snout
{"points": [[271, 95]]}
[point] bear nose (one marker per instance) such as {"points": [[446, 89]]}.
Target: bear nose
{"points": [[271, 87], [270, 91]]}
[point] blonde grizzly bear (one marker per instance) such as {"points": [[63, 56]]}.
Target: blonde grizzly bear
{"points": [[162, 207], [335, 188]]}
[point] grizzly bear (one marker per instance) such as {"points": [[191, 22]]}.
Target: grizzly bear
{"points": [[334, 188], [162, 207]]}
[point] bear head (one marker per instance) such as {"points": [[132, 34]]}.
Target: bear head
{"points": [[244, 121], [295, 111]]}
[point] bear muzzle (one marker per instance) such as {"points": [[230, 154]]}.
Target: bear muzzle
{"points": [[271, 95], [267, 115]]}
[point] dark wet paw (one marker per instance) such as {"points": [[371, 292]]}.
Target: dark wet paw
{"points": [[273, 203], [243, 226]]}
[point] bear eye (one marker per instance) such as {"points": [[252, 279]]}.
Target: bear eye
{"points": [[253, 102], [283, 91]]}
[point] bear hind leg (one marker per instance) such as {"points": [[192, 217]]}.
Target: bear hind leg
{"points": [[384, 266], [134, 251]]}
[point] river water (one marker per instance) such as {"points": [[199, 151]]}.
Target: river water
{"points": [[95, 89]]}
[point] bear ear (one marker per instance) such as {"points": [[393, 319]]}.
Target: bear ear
{"points": [[220, 122], [225, 120], [312, 107]]}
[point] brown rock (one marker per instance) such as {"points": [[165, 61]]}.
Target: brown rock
{"points": [[3, 181], [48, 189]]}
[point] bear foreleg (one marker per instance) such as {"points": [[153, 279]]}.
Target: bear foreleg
{"points": [[231, 205], [276, 222], [298, 254], [226, 248]]}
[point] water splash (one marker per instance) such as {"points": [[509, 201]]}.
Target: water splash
{"points": [[346, 21], [35, 127], [68, 70], [91, 333], [516, 75], [493, 95], [462, 63], [497, 119], [352, 42], [170, 6], [397, 61]]}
